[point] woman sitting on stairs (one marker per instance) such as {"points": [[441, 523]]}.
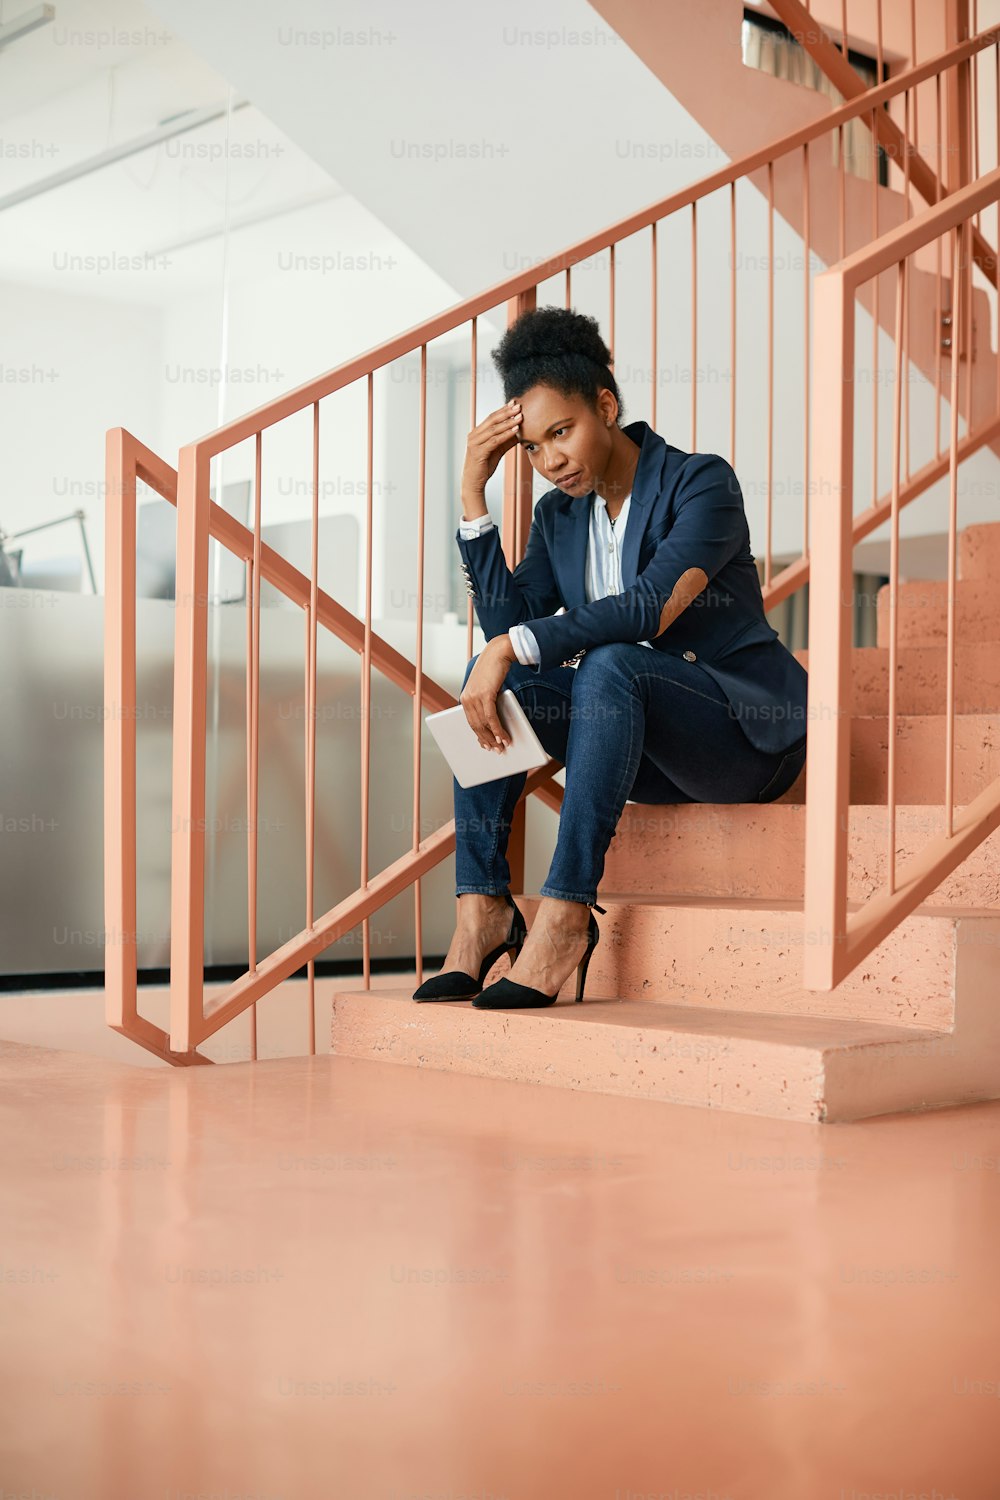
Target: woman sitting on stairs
{"points": [[683, 691]]}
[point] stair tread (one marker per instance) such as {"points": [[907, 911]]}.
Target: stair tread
{"points": [[909, 718], [916, 810], [786, 809], [904, 649], [826, 1034], [764, 904]]}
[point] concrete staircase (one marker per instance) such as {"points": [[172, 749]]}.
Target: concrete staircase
{"points": [[695, 995]]}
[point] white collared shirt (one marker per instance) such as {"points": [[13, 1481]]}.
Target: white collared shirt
{"points": [[603, 573]]}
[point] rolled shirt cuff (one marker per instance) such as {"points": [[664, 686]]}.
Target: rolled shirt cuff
{"points": [[469, 530], [524, 645]]}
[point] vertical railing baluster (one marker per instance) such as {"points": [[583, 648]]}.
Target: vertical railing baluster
{"points": [[418, 676], [732, 324], [974, 108], [878, 44], [806, 227], [312, 620], [842, 185], [611, 300], [249, 702], [567, 286], [253, 790], [996, 226], [913, 64], [939, 293], [875, 313], [949, 711], [842, 193], [901, 277], [307, 700], [966, 272], [830, 617], [120, 822], [908, 209], [694, 327], [654, 321], [187, 844], [470, 617], [517, 500], [769, 372], [366, 682]]}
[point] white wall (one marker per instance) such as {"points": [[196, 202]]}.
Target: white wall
{"points": [[72, 366]]}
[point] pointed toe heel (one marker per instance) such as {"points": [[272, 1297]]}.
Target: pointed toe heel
{"points": [[507, 994], [454, 984]]}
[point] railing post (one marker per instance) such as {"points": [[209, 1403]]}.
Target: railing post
{"points": [[517, 491], [120, 959], [958, 167], [831, 612], [187, 844], [518, 474]]}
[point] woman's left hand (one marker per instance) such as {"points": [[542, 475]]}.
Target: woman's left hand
{"points": [[479, 696]]}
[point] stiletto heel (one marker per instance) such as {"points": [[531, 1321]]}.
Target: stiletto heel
{"points": [[507, 994], [456, 985], [593, 935]]}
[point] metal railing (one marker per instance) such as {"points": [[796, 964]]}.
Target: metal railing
{"points": [[848, 937], [775, 169]]}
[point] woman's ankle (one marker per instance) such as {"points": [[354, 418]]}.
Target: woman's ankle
{"points": [[479, 906], [483, 923]]}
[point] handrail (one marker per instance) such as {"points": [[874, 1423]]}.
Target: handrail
{"points": [[881, 254], [311, 391]]}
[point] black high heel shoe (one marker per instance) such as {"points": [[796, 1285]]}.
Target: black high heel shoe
{"points": [[456, 985], [507, 994]]}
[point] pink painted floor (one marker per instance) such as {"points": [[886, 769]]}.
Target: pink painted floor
{"points": [[333, 1278]]}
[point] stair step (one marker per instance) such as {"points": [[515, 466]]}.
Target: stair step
{"points": [[745, 850], [786, 1067], [920, 758], [921, 678], [922, 610], [979, 551], [746, 956]]}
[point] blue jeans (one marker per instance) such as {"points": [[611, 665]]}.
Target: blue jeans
{"points": [[628, 723]]}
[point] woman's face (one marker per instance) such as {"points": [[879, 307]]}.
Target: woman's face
{"points": [[566, 440]]}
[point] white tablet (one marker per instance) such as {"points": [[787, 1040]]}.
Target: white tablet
{"points": [[471, 764]]}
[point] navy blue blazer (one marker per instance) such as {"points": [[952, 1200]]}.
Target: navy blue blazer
{"points": [[686, 512]]}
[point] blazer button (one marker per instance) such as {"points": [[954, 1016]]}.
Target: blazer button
{"points": [[689, 656]]}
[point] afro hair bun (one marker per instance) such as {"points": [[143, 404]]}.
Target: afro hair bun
{"points": [[558, 347]]}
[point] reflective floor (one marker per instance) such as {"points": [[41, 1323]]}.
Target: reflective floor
{"points": [[334, 1278]]}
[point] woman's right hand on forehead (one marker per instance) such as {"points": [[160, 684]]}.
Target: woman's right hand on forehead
{"points": [[487, 444]]}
